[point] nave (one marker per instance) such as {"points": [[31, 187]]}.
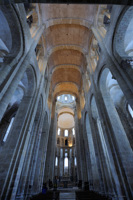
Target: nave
{"points": [[66, 100], [70, 194]]}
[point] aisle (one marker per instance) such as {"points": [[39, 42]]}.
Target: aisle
{"points": [[67, 195]]}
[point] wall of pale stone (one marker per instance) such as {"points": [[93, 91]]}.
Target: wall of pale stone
{"points": [[23, 154], [103, 125], [107, 119]]}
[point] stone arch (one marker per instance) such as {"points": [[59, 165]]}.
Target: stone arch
{"points": [[122, 41], [56, 21], [28, 83], [66, 88], [66, 75], [11, 42], [79, 41], [69, 56], [19, 132], [77, 67], [67, 46], [65, 92], [106, 84], [24, 88], [119, 137], [120, 104]]}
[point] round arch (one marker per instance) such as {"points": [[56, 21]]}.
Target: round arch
{"points": [[67, 46], [31, 80], [118, 135], [122, 40], [81, 22], [11, 42], [66, 88], [67, 57]]}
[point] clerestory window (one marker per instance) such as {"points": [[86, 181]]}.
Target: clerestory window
{"points": [[66, 133]]}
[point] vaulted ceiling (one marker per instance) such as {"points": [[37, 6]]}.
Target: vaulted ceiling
{"points": [[66, 118], [67, 41]]}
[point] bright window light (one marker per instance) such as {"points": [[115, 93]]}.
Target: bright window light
{"points": [[66, 162], [66, 133], [75, 161], [8, 130], [73, 130], [58, 98], [65, 98], [73, 98], [130, 110], [58, 131], [56, 161]]}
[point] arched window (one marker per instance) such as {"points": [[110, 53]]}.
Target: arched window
{"points": [[58, 131], [66, 133], [73, 98], [56, 161], [73, 130], [75, 161], [66, 162], [66, 98], [58, 98]]}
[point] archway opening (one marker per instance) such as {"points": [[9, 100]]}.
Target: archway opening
{"points": [[65, 170]]}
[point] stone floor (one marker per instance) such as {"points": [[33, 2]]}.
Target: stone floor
{"points": [[67, 195]]}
